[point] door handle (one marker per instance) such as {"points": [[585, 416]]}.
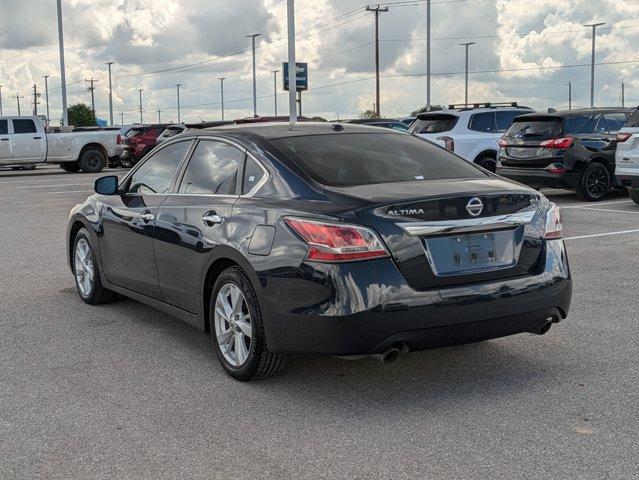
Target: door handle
{"points": [[147, 217], [212, 218], [4, 139], [37, 138]]}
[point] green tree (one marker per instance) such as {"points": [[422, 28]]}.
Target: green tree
{"points": [[423, 109], [81, 115], [368, 115]]}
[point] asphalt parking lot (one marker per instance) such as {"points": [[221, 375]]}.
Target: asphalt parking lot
{"points": [[123, 391]]}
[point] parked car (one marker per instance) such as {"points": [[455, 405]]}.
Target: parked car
{"points": [[330, 238], [383, 123], [24, 143], [170, 131], [140, 141], [627, 156], [408, 121], [471, 132], [573, 149]]}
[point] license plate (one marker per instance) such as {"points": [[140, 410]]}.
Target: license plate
{"points": [[455, 255]]}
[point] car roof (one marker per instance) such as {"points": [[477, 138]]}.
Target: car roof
{"points": [[274, 130], [580, 111]]}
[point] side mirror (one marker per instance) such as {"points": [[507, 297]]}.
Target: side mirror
{"points": [[106, 185]]}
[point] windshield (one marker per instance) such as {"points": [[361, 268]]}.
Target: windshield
{"points": [[348, 159], [435, 123]]}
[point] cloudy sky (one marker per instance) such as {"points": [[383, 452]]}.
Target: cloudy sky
{"points": [[525, 51]]}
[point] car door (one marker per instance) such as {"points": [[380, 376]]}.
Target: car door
{"points": [[6, 154], [126, 243], [27, 144], [195, 220], [478, 137]]}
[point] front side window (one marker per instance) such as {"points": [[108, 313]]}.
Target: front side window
{"points": [[348, 159], [504, 119], [481, 122], [213, 169], [156, 174], [24, 126], [4, 127]]}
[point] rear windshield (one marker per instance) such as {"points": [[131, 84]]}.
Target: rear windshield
{"points": [[633, 121], [434, 124], [348, 159], [534, 128]]}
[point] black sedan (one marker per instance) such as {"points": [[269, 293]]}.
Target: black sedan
{"points": [[324, 238], [573, 149]]}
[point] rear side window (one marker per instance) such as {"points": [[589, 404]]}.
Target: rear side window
{"points": [[534, 128], [633, 121], [156, 174], [364, 158], [615, 121], [504, 119], [481, 122], [4, 127], [213, 169], [579, 124], [435, 123], [253, 173], [24, 126]]}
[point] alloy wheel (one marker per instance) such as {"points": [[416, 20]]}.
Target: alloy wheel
{"points": [[597, 182], [83, 264], [232, 321]]}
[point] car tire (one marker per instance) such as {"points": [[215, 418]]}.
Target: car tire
{"points": [[86, 272], [634, 194], [71, 167], [487, 162], [594, 182], [253, 361], [125, 162], [92, 160]]}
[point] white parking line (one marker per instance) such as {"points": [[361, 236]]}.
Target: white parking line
{"points": [[71, 191], [611, 210], [590, 205], [52, 185], [623, 232]]}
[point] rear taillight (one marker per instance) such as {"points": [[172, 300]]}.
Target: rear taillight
{"points": [[449, 143], [334, 242], [118, 139], [558, 143], [553, 227], [622, 137], [503, 142]]}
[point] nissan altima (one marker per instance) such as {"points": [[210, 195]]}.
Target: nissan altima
{"points": [[322, 238]]}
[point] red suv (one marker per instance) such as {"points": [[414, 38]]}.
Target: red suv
{"points": [[140, 141]]}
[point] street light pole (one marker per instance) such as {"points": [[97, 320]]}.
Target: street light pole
{"points": [[178, 102], [292, 66], [569, 95], [0, 100], [63, 77], [46, 97], [428, 55], [592, 62], [141, 116], [467, 44], [110, 95], [275, 72], [121, 119], [377, 10], [253, 37], [222, 94]]}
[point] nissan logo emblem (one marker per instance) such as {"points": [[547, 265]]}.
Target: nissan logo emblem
{"points": [[474, 207]]}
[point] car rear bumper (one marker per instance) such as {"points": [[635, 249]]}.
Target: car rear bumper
{"points": [[628, 178], [539, 178], [364, 307]]}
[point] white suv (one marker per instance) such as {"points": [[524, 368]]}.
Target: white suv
{"points": [[472, 132], [627, 156]]}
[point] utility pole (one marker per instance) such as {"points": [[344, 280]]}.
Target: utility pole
{"points": [[36, 95], [63, 77], [18, 97], [110, 95], [592, 62], [569, 95], [222, 94], [377, 10], [253, 37], [290, 22], [91, 89], [0, 100], [122, 118], [141, 116], [623, 95], [159, 116], [467, 44], [428, 55], [275, 72], [178, 102], [46, 97]]}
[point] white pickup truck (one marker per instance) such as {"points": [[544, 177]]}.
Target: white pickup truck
{"points": [[24, 143]]}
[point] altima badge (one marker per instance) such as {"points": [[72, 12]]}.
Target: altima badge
{"points": [[474, 207]]}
